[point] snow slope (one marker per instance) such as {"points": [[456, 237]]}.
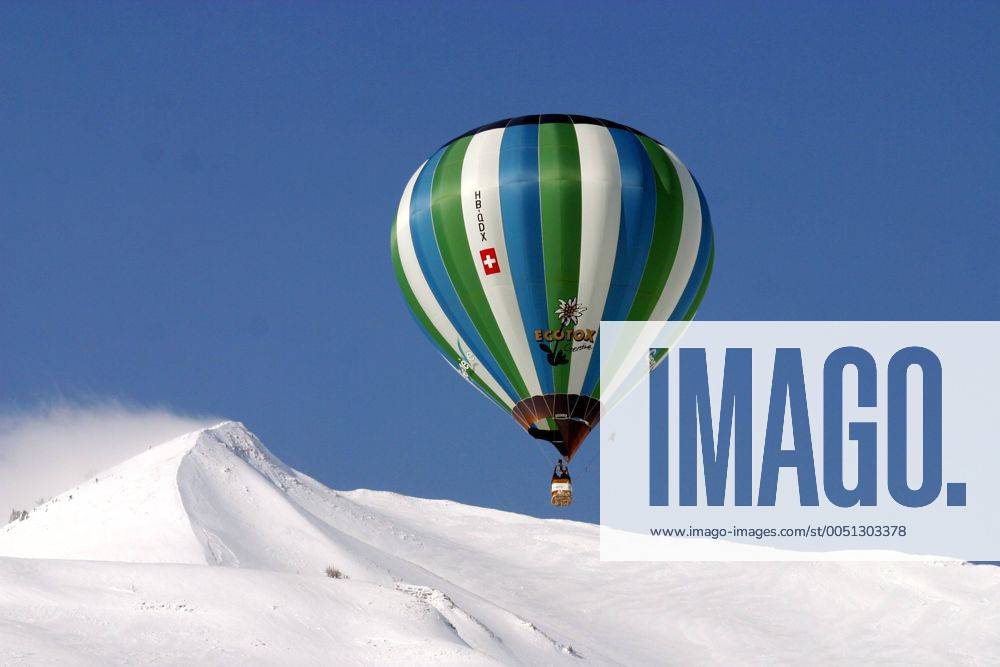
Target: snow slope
{"points": [[209, 550]]}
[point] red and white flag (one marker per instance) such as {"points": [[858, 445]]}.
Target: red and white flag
{"points": [[490, 262]]}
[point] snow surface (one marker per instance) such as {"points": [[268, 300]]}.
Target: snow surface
{"points": [[208, 550]]}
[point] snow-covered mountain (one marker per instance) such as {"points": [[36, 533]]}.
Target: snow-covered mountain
{"points": [[207, 549]]}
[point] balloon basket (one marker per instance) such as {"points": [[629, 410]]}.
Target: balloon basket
{"points": [[562, 492]]}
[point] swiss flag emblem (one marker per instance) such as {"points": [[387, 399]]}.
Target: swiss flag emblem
{"points": [[489, 259]]}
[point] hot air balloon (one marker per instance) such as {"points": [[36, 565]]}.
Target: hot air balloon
{"points": [[513, 241]]}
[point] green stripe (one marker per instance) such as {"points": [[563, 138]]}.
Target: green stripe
{"points": [[689, 315], [666, 233], [561, 206], [432, 332], [449, 230]]}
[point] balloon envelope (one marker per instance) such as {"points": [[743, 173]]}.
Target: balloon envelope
{"points": [[513, 241]]}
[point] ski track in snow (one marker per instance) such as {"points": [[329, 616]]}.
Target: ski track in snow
{"points": [[209, 550]]}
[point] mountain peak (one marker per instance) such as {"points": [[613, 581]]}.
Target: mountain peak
{"points": [[235, 437], [230, 425]]}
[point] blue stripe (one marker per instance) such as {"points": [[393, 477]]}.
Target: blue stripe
{"points": [[520, 205], [635, 235], [700, 262], [433, 268]]}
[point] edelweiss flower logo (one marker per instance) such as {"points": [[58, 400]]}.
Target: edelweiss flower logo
{"points": [[463, 368], [569, 311]]}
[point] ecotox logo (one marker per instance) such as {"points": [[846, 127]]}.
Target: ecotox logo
{"points": [[568, 312], [779, 438], [568, 334]]}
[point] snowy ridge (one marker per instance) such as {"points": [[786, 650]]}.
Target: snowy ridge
{"points": [[208, 549], [132, 512]]}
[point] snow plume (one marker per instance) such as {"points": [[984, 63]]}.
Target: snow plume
{"points": [[47, 450]]}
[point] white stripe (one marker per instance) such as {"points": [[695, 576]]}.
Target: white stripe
{"points": [[425, 297], [481, 176], [601, 204]]}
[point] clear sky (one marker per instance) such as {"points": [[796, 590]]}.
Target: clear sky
{"points": [[195, 199]]}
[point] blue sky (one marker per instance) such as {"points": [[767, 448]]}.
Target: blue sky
{"points": [[195, 199]]}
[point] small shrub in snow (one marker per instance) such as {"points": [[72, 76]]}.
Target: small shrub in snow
{"points": [[334, 573], [18, 515]]}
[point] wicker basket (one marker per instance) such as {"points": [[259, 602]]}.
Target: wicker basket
{"points": [[562, 491]]}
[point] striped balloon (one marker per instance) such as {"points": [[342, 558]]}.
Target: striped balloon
{"points": [[513, 241]]}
